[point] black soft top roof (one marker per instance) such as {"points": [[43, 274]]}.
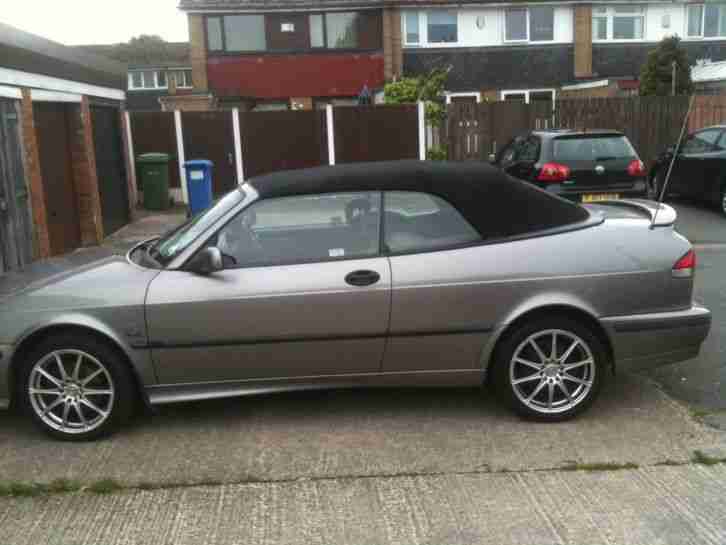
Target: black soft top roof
{"points": [[495, 204]]}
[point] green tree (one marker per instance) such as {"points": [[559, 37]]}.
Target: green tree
{"points": [[656, 76], [428, 88]]}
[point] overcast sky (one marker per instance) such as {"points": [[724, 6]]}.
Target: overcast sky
{"points": [[74, 22]]}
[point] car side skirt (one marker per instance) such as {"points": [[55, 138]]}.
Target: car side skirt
{"points": [[177, 393]]}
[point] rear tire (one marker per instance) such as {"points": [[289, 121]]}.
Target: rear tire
{"points": [[550, 369], [76, 387], [722, 200]]}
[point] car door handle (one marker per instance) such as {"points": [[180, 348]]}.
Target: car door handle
{"points": [[362, 278]]}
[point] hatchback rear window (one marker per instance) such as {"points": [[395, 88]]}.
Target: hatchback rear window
{"points": [[598, 148]]}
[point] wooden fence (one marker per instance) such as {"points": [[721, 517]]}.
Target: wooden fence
{"points": [[246, 144], [651, 123]]}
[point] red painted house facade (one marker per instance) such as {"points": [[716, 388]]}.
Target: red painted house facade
{"points": [[278, 54]]}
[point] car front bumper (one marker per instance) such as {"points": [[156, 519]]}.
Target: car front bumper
{"points": [[645, 341]]}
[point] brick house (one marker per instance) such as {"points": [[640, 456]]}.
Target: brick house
{"points": [[270, 54], [63, 164], [153, 73], [307, 51]]}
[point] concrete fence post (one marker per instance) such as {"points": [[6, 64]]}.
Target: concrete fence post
{"points": [[331, 133], [180, 155], [421, 131], [238, 146]]}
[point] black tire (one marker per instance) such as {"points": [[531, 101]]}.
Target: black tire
{"points": [[722, 201], [517, 342], [117, 407]]}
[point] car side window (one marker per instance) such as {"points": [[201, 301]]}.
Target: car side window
{"points": [[419, 222], [529, 150], [302, 229], [702, 142]]}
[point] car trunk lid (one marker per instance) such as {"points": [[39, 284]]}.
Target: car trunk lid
{"points": [[664, 215]]}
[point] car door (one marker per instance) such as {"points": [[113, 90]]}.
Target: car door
{"points": [[304, 292], [691, 163], [436, 323]]}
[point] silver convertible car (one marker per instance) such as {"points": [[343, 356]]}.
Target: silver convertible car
{"points": [[382, 274]]}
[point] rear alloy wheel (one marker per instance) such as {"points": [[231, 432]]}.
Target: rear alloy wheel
{"points": [[76, 389], [551, 370]]}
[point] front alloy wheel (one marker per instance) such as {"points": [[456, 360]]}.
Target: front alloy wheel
{"points": [[76, 387], [71, 391], [550, 369]]}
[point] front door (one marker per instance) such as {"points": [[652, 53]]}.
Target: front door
{"points": [[304, 293]]}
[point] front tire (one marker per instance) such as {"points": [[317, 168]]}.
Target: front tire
{"points": [[550, 369], [76, 388]]}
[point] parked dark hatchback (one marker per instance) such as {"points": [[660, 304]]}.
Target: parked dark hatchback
{"points": [[699, 171], [581, 166]]}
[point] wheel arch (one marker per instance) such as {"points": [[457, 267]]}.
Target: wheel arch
{"points": [[97, 331], [580, 313]]}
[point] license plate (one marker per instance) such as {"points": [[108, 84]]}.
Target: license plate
{"points": [[599, 197]]}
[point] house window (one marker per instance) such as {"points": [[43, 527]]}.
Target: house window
{"points": [[244, 33], [411, 28], [623, 22], [317, 32], [442, 26], [515, 24], [183, 78], [530, 95], [707, 21], [214, 34], [341, 30], [147, 79], [536, 24]]}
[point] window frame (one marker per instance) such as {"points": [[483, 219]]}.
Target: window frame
{"points": [[703, 7], [455, 12], [528, 24], [142, 71], [213, 239], [310, 49], [716, 142], [404, 28], [610, 15], [527, 93]]}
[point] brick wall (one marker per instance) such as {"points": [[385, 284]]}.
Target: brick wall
{"points": [[583, 41], [392, 46], [188, 103], [85, 177], [198, 52], [41, 240], [608, 91]]}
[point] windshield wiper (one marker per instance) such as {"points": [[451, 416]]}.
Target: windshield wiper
{"points": [[605, 158]]}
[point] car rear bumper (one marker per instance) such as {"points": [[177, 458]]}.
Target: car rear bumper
{"points": [[645, 341], [636, 190]]}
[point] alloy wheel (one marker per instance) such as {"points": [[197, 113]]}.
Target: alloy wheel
{"points": [[552, 371], [71, 391]]}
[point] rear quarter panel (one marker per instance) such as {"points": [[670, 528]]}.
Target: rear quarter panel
{"points": [[620, 267]]}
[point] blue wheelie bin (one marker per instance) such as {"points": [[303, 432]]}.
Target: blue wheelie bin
{"points": [[199, 184]]}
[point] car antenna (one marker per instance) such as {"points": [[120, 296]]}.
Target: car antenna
{"points": [[673, 161]]}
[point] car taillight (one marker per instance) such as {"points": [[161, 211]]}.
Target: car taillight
{"points": [[553, 173], [685, 266], [636, 169]]}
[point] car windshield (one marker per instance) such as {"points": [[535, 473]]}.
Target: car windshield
{"points": [[597, 148], [175, 242]]}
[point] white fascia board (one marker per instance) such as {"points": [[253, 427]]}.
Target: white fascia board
{"points": [[39, 95], [8, 76], [586, 85], [10, 92]]}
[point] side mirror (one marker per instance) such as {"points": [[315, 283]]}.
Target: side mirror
{"points": [[206, 262]]}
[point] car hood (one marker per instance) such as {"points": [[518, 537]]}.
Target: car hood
{"points": [[108, 282]]}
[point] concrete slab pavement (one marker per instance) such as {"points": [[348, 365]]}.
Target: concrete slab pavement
{"points": [[663, 505], [359, 433]]}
